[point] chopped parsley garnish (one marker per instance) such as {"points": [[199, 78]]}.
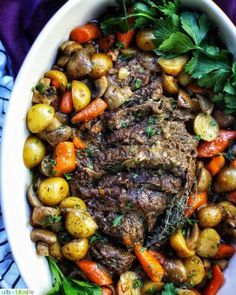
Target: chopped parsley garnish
{"points": [[41, 88], [97, 237], [198, 137], [137, 84], [68, 176], [117, 220], [151, 131], [89, 152], [51, 219], [169, 289], [120, 44], [69, 86], [90, 166], [137, 283]]}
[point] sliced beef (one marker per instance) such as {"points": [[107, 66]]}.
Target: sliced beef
{"points": [[126, 228], [113, 258]]}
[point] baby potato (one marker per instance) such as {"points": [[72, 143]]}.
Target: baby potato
{"points": [[81, 95], [184, 78], [39, 116], [57, 76], [179, 245], [75, 250], [73, 202], [226, 180], [33, 152], [195, 270], [208, 243], [206, 127], [53, 190], [101, 64], [150, 287], [126, 284], [173, 66], [204, 180], [209, 216], [80, 224], [169, 84], [228, 207], [55, 250], [144, 40]]}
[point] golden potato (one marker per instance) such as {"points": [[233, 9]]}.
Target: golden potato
{"points": [[144, 40], [150, 287], [80, 224], [101, 64], [81, 95], [126, 284], [226, 180], [228, 207], [206, 127], [195, 270], [33, 152], [184, 78], [39, 116], [75, 250], [173, 66], [53, 190], [73, 202], [179, 245], [204, 180], [208, 243], [209, 216], [57, 76], [170, 84]]}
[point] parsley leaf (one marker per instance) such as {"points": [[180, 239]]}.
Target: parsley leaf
{"points": [[137, 283], [137, 84], [51, 219], [41, 88], [117, 220], [68, 176], [170, 7], [177, 43], [169, 289], [197, 26]]}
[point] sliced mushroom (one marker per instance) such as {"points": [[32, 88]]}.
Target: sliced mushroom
{"points": [[55, 250], [42, 249], [79, 64], [61, 134], [68, 48], [192, 237], [32, 197], [46, 166], [101, 85], [40, 214], [63, 118], [175, 270], [229, 227], [43, 235], [206, 105]]}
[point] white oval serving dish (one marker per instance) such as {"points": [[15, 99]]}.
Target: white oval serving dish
{"points": [[15, 178]]}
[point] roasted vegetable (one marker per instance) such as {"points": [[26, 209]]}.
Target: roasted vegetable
{"points": [[85, 33], [215, 283], [170, 84], [75, 250], [209, 216], [179, 245], [216, 164], [66, 104], [228, 208], [175, 271], [53, 190], [33, 152], [59, 77], [206, 127], [204, 180], [226, 180], [74, 203], [208, 243], [55, 250], [150, 287], [125, 38], [126, 284], [224, 251], [195, 201], [39, 117], [81, 95], [195, 270], [101, 64], [145, 40], [173, 66]]}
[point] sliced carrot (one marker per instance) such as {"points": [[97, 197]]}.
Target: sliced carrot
{"points": [[126, 38], [79, 143], [158, 255], [224, 251], [215, 283], [86, 33], [150, 264], [233, 163], [197, 89], [195, 201], [106, 291], [232, 197], [216, 164], [212, 148], [66, 105], [106, 42], [64, 155], [93, 110], [94, 272], [56, 83]]}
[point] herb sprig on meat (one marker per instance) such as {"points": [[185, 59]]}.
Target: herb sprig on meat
{"points": [[183, 32]]}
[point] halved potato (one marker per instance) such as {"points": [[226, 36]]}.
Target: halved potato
{"points": [[170, 84], [173, 66], [195, 270], [126, 284], [206, 127]]}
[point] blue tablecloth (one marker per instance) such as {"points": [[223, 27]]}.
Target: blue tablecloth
{"points": [[9, 274]]}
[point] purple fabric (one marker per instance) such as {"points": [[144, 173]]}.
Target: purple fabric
{"points": [[22, 20]]}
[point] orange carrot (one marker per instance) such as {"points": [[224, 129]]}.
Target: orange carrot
{"points": [[106, 291], [64, 154], [215, 283], [224, 251], [106, 42], [232, 197], [212, 148], [86, 33], [93, 110], [197, 89], [56, 84], [94, 272], [216, 164], [79, 143], [149, 263], [233, 163], [126, 38], [158, 255], [66, 105], [195, 201]]}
